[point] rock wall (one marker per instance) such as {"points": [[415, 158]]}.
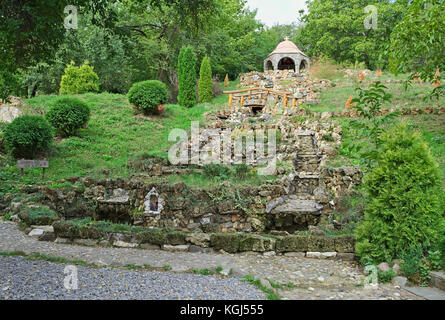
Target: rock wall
{"points": [[310, 246], [223, 209]]}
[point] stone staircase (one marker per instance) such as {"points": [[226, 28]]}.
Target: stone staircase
{"points": [[299, 210]]}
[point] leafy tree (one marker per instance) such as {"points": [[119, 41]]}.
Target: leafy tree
{"points": [[187, 77], [79, 79], [31, 31], [417, 42], [205, 92], [336, 29], [369, 103], [404, 206]]}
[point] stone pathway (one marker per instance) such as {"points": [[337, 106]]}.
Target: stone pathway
{"points": [[24, 279], [313, 279]]}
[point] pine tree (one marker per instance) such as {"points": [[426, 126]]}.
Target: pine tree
{"points": [[205, 91], [226, 80], [187, 77]]}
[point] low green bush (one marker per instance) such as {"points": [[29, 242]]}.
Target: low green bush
{"points": [[385, 277], [27, 136], [218, 171], [241, 171], [67, 115], [148, 95], [78, 80], [403, 202]]}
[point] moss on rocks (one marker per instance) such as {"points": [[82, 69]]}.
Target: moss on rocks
{"points": [[63, 229], [256, 243], [292, 244], [38, 215], [175, 238], [90, 233], [229, 242], [345, 244], [321, 244], [152, 237]]}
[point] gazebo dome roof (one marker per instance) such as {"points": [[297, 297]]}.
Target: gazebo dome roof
{"points": [[286, 46]]}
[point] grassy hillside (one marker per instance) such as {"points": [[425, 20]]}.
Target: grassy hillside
{"points": [[115, 133]]}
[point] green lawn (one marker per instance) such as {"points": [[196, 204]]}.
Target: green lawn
{"points": [[334, 99], [115, 133], [431, 127]]}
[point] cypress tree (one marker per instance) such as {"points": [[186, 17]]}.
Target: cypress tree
{"points": [[205, 91], [404, 206], [187, 77], [226, 81]]}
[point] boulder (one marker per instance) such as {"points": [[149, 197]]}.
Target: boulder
{"points": [[396, 269], [383, 267], [199, 239]]}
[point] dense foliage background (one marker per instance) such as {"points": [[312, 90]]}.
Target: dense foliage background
{"points": [[128, 41]]}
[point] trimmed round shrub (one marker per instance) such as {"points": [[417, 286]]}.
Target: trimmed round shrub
{"points": [[148, 95], [67, 115], [404, 205], [27, 136]]}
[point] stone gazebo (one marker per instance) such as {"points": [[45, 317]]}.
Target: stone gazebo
{"points": [[287, 56]]}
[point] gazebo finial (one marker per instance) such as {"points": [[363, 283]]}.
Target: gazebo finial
{"points": [[286, 38]]}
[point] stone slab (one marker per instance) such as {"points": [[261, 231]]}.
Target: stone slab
{"points": [[427, 293]]}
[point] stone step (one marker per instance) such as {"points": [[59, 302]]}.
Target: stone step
{"points": [[437, 280], [296, 207], [427, 292]]}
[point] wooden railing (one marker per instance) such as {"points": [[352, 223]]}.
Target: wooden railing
{"points": [[263, 94]]}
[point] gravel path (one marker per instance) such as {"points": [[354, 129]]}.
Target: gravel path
{"points": [[26, 279], [313, 278]]}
